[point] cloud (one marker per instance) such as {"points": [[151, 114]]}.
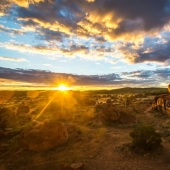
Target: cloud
{"points": [[138, 31], [152, 49], [26, 3], [5, 5], [51, 78], [11, 30], [141, 74], [158, 74], [49, 35], [111, 19], [61, 16], [28, 48], [72, 50], [13, 59], [135, 78], [163, 73], [44, 50]]}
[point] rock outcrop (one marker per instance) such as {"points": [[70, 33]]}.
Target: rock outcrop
{"points": [[7, 118], [169, 88], [46, 136], [162, 103]]}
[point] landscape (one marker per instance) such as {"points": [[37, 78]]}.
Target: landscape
{"points": [[65, 129], [84, 84]]}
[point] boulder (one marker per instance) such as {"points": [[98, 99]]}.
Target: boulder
{"points": [[160, 104], [163, 103], [7, 118], [46, 136], [167, 107]]}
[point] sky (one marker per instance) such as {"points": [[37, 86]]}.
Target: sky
{"points": [[84, 43]]}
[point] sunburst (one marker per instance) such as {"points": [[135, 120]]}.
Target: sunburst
{"points": [[63, 87]]}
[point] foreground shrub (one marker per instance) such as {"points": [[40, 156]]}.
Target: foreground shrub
{"points": [[145, 138]]}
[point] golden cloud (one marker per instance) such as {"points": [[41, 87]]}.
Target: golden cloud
{"points": [[25, 3], [51, 26]]}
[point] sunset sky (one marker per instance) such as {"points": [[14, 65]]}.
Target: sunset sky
{"points": [[85, 43]]}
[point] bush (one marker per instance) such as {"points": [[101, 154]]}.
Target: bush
{"points": [[145, 138]]}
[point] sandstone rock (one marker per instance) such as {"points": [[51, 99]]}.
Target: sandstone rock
{"points": [[163, 103], [47, 136], [7, 118]]}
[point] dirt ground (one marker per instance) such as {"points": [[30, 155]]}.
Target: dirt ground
{"points": [[99, 146]]}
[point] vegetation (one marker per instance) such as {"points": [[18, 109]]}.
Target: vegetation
{"points": [[152, 90], [97, 125], [145, 138]]}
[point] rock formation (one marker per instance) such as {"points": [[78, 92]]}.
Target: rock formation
{"points": [[162, 102], [7, 118], [46, 136]]}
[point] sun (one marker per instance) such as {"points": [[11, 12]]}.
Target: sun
{"points": [[63, 87]]}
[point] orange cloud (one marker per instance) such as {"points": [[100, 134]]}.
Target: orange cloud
{"points": [[51, 26], [25, 3]]}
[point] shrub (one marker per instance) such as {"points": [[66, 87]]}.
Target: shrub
{"points": [[145, 138]]}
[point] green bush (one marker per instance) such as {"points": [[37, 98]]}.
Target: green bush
{"points": [[145, 138]]}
